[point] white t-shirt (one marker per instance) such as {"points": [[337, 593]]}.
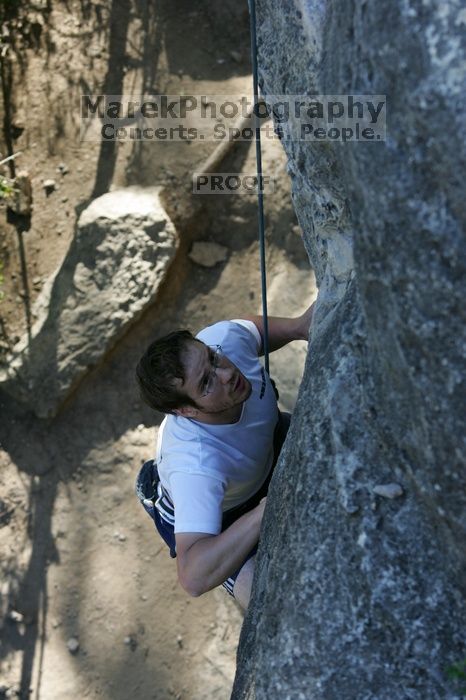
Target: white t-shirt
{"points": [[208, 469]]}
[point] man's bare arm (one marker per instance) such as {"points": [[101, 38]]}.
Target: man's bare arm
{"points": [[205, 561], [283, 330]]}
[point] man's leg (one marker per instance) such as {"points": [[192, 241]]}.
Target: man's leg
{"points": [[243, 583]]}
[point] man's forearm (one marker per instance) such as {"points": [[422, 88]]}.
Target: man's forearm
{"points": [[211, 560], [283, 330]]}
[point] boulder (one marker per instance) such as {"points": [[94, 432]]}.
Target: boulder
{"points": [[359, 595], [121, 252]]}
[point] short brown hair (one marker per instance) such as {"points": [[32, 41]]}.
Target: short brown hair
{"points": [[158, 368]]}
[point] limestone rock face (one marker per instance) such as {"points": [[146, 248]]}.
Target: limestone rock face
{"points": [[359, 595], [122, 249]]}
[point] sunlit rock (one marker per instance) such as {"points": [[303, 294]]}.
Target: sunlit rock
{"points": [[122, 249]]}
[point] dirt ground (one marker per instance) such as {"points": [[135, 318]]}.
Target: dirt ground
{"points": [[79, 558]]}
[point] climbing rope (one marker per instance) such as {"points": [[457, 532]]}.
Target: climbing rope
{"points": [[260, 198]]}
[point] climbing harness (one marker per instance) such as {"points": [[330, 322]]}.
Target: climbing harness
{"points": [[260, 199]]}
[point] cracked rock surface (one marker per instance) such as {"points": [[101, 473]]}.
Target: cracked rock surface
{"points": [[358, 593]]}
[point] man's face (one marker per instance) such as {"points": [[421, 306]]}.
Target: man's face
{"points": [[230, 388]]}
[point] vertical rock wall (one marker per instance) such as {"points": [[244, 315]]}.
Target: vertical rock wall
{"points": [[357, 595]]}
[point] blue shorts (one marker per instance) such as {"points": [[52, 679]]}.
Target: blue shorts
{"points": [[156, 502]]}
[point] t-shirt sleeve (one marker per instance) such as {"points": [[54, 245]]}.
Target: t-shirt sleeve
{"points": [[237, 337], [252, 328], [198, 502]]}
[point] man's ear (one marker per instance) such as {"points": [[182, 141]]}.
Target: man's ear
{"points": [[186, 411]]}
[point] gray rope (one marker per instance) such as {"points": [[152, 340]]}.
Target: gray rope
{"points": [[252, 11]]}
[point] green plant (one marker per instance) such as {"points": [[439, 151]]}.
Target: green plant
{"points": [[7, 186], [457, 672]]}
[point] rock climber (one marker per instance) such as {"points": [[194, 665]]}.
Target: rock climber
{"points": [[216, 448]]}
